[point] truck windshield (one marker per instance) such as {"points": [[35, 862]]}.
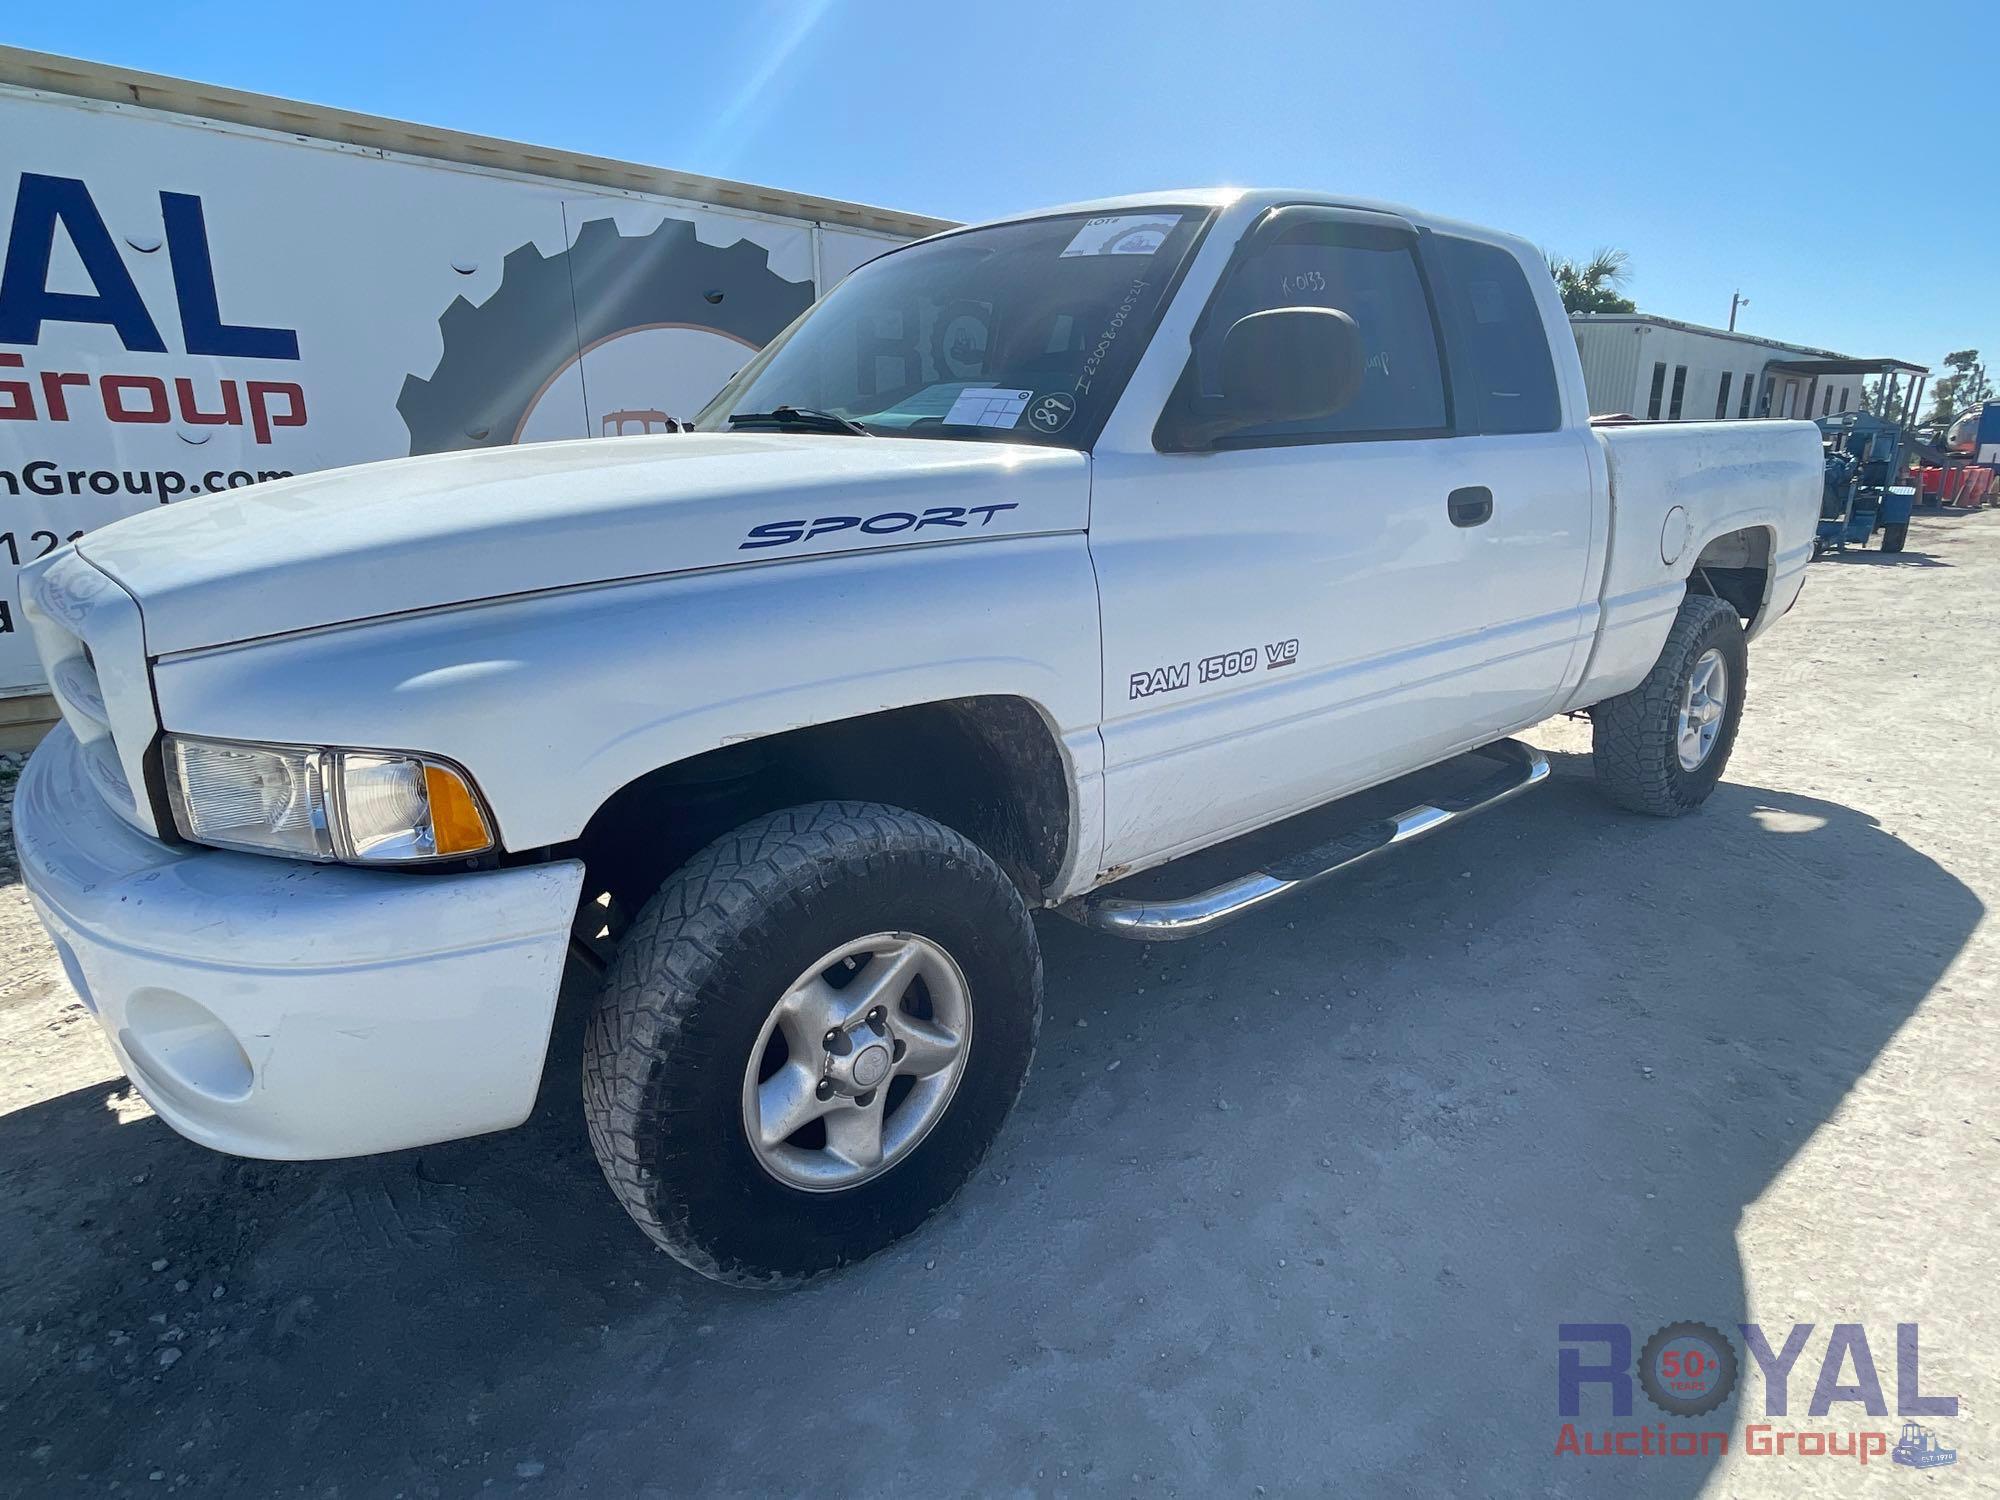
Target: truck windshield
{"points": [[1022, 333]]}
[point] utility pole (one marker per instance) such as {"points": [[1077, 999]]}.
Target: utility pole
{"points": [[1736, 300]]}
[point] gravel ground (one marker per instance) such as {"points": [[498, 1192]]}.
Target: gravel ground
{"points": [[1297, 1209]]}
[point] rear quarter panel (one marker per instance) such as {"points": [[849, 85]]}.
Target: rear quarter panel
{"points": [[1676, 487]]}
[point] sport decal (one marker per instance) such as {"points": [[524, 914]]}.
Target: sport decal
{"points": [[888, 523]]}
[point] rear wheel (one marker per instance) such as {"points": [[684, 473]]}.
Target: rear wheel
{"points": [[1894, 535], [811, 1035], [1661, 748]]}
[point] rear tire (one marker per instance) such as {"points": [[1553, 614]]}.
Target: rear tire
{"points": [[1894, 535], [1641, 741], [688, 1023]]}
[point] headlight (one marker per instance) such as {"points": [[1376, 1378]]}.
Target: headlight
{"points": [[362, 806]]}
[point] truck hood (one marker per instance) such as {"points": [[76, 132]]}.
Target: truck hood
{"points": [[450, 528]]}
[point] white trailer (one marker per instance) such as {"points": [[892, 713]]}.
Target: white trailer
{"points": [[1658, 369], [205, 289]]}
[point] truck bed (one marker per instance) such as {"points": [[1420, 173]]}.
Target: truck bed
{"points": [[1730, 495]]}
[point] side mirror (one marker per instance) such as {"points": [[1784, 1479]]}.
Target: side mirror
{"points": [[1286, 364]]}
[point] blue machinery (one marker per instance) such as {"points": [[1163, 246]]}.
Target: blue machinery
{"points": [[1865, 449], [1860, 496]]}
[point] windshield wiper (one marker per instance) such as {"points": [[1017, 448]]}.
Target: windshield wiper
{"points": [[803, 417]]}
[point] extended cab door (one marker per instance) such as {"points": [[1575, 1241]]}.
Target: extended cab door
{"points": [[1311, 607]]}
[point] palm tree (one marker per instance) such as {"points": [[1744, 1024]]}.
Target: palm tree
{"points": [[1590, 286]]}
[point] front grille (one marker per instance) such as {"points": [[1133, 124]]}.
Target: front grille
{"points": [[87, 632], [73, 680]]}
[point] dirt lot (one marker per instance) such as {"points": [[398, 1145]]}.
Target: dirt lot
{"points": [[1295, 1210]]}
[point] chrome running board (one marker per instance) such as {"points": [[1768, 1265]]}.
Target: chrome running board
{"points": [[1164, 921]]}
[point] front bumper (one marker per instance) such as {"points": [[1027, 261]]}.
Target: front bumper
{"points": [[273, 1008]]}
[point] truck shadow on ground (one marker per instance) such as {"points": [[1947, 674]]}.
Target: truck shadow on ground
{"points": [[1299, 1206], [1874, 557]]}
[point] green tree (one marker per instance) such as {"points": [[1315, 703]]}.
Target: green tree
{"points": [[1591, 286], [1967, 385], [1871, 395]]}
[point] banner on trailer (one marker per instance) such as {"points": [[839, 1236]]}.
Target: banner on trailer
{"points": [[187, 307]]}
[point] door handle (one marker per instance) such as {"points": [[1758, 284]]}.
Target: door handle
{"points": [[1470, 506]]}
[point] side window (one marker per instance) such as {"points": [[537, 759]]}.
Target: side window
{"points": [[1659, 389], [1502, 379], [1373, 278]]}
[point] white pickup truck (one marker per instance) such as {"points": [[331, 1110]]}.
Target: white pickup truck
{"points": [[1037, 554]]}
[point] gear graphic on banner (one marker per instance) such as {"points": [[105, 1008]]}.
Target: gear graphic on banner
{"points": [[550, 311]]}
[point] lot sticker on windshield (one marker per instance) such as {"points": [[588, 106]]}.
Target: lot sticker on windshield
{"points": [[987, 406], [1122, 234], [1053, 411]]}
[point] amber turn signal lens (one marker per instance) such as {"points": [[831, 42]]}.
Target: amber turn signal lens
{"points": [[457, 824]]}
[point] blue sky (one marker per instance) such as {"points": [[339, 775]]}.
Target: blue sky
{"points": [[1708, 140]]}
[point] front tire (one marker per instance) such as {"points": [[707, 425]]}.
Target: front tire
{"points": [[1894, 535], [756, 1131], [1661, 748]]}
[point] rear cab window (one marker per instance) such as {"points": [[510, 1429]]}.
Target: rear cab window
{"points": [[1502, 377]]}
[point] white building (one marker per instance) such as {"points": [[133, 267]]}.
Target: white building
{"points": [[1654, 368]]}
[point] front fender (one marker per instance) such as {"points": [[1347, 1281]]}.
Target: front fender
{"points": [[553, 701]]}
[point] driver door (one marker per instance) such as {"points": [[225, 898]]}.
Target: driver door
{"points": [[1315, 606]]}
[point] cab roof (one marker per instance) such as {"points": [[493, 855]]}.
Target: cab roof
{"points": [[1254, 201]]}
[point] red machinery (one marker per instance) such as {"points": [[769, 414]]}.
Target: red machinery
{"points": [[1971, 445], [1967, 487]]}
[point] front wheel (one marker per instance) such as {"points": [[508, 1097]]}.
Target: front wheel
{"points": [[1894, 535], [811, 1035], [1660, 748]]}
